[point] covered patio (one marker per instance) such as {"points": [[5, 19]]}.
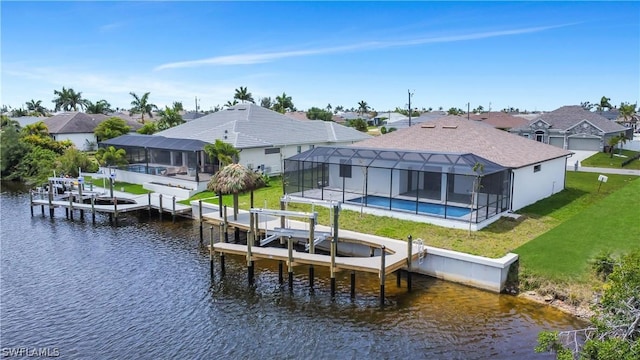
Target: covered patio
{"points": [[170, 158], [459, 187]]}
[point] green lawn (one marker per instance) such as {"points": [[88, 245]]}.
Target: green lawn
{"points": [[563, 254], [117, 186], [606, 161]]}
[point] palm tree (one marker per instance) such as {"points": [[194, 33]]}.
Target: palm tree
{"points": [[231, 103], [243, 95], [283, 103], [111, 156], [68, 100], [100, 107], [266, 102], [627, 111], [141, 105], [363, 107], [234, 179], [36, 107], [604, 103], [169, 117], [38, 128], [224, 152]]}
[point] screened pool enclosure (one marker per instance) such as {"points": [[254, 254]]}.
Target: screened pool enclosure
{"points": [[461, 187]]}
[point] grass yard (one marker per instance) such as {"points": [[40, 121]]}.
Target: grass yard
{"points": [[606, 161], [118, 186], [563, 254], [496, 240]]}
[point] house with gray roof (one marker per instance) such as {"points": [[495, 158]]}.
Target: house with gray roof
{"points": [[450, 171], [424, 117], [78, 127], [264, 137], [572, 128]]}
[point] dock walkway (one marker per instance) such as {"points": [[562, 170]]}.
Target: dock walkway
{"points": [[396, 257], [69, 201]]}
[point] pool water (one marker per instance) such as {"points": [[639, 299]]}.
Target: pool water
{"points": [[408, 205]]}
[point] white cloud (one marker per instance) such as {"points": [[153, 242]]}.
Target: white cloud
{"points": [[248, 59]]}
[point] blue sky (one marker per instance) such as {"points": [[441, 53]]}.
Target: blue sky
{"points": [[526, 55]]}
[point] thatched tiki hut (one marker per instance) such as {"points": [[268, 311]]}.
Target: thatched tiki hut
{"points": [[234, 179]]}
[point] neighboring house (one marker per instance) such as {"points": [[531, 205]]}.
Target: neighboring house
{"points": [[191, 115], [389, 118], [28, 120], [572, 128], [302, 115], [264, 137], [499, 120], [430, 170], [78, 127], [424, 117]]}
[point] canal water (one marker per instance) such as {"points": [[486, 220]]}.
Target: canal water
{"points": [[142, 290]]}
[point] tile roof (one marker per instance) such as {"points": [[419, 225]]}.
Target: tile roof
{"points": [[249, 125], [79, 123], [567, 117], [455, 134], [73, 122], [499, 120]]}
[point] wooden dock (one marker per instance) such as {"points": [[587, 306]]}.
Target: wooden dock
{"points": [[379, 255], [88, 201]]}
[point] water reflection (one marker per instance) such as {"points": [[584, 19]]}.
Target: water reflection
{"points": [[142, 290]]}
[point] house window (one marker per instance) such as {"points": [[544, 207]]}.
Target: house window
{"points": [[299, 149], [526, 135], [272, 151], [345, 168], [537, 168], [539, 136]]}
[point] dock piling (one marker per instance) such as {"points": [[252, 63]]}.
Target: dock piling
{"points": [[353, 284], [398, 277], [160, 211], [211, 253], [149, 208], [409, 258], [290, 262], [93, 209], [250, 236], [71, 205], [115, 211], [31, 201], [221, 253], [332, 269], [280, 270], [173, 210], [382, 274], [200, 218]]}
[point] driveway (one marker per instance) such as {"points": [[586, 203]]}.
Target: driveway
{"points": [[579, 155]]}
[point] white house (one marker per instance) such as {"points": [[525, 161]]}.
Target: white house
{"points": [[78, 127], [264, 137], [451, 172]]}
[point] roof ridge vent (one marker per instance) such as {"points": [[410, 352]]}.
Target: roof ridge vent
{"points": [[449, 126], [428, 126]]}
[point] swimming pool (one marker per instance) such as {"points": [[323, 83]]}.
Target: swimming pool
{"points": [[408, 205], [140, 168]]}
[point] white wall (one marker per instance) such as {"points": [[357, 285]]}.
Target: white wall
{"points": [[79, 140], [530, 186]]}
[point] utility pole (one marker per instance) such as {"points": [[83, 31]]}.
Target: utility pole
{"points": [[410, 95], [196, 104], [468, 104]]}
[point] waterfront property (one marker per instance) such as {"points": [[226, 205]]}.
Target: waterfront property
{"points": [[358, 252], [430, 172]]}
